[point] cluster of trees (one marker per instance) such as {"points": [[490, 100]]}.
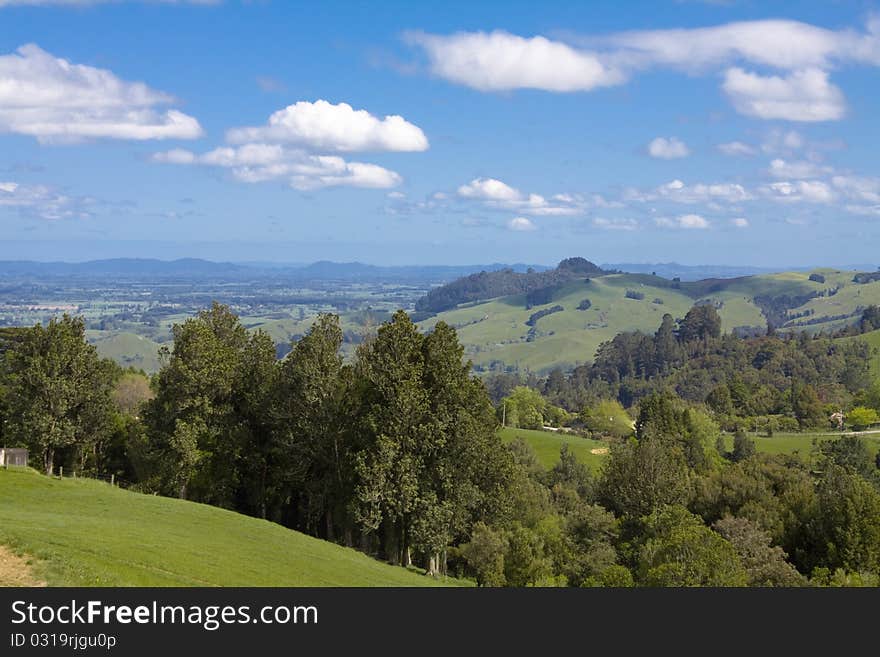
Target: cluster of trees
{"points": [[66, 404], [397, 452], [673, 507], [779, 382]]}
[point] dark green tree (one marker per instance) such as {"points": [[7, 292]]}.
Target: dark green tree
{"points": [[194, 434], [641, 476], [58, 392]]}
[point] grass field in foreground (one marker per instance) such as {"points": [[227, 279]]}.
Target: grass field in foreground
{"points": [[87, 533], [547, 445]]}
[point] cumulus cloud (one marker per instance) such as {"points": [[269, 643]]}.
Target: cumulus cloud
{"points": [[668, 149], [325, 127], [780, 168], [500, 195], [254, 163], [521, 224], [56, 101], [859, 188], [685, 221], [810, 191], [740, 222], [299, 143], [489, 189], [783, 44], [804, 95], [499, 61], [42, 202], [737, 149]]}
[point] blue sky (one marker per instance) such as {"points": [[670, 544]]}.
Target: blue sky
{"points": [[404, 133]]}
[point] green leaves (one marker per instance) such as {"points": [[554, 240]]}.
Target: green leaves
{"points": [[58, 390]]}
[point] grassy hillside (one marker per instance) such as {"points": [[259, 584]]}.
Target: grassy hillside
{"points": [[496, 331], [127, 349], [87, 533], [547, 445]]}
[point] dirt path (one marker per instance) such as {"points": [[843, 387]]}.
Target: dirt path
{"points": [[15, 571]]}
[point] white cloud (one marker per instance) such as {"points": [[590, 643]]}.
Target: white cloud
{"points": [[42, 202], [500, 61], [783, 44], [858, 188], [500, 195], [809, 191], [685, 221], [254, 163], [737, 149], [615, 224], [323, 126], [56, 101], [785, 142], [489, 189], [521, 224], [804, 95], [677, 191], [740, 222], [780, 168], [668, 149]]}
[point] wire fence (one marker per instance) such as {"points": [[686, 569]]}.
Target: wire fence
{"points": [[111, 479]]}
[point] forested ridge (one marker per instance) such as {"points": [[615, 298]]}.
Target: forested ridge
{"points": [[504, 282], [397, 452]]}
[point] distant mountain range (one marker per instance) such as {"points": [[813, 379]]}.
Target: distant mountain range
{"points": [[348, 271], [197, 268]]}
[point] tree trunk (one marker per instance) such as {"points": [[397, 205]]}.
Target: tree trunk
{"points": [[328, 520], [49, 460]]}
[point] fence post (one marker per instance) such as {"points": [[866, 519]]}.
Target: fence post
{"points": [[61, 472], [112, 477]]}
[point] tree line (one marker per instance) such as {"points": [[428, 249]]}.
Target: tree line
{"points": [[397, 452]]}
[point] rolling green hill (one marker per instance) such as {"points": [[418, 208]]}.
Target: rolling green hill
{"points": [[127, 349], [497, 331], [87, 533]]}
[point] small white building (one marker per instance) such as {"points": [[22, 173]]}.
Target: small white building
{"points": [[13, 456]]}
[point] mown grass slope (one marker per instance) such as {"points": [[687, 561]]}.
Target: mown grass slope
{"points": [[87, 533], [547, 445]]}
